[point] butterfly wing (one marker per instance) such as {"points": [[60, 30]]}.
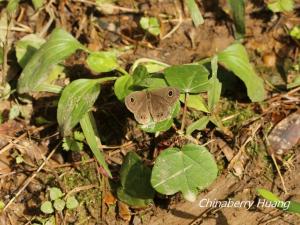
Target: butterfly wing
{"points": [[161, 102], [136, 102]]}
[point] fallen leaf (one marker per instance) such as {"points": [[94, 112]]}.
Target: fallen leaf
{"points": [[124, 211]]}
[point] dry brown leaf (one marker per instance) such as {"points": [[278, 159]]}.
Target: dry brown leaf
{"points": [[109, 199], [124, 211]]}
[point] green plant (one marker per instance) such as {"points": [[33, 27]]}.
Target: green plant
{"points": [[281, 6], [57, 202], [151, 25]]}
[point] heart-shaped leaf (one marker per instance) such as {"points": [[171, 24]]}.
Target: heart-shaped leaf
{"points": [[187, 78], [185, 170]]}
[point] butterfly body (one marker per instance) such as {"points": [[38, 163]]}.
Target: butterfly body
{"points": [[152, 104]]}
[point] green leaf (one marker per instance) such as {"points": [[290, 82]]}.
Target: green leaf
{"points": [[59, 204], [59, 46], [281, 6], [295, 32], [26, 47], [135, 177], [55, 193], [195, 12], [238, 11], [102, 61], [152, 65], [12, 6], [2, 205], [122, 85], [89, 129], [37, 3], [235, 58], [132, 201], [76, 100], [139, 75], [71, 144], [79, 136], [195, 102], [214, 92], [197, 125], [72, 203], [185, 170], [151, 25], [47, 207], [187, 78]]}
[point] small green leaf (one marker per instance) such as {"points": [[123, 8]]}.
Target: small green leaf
{"points": [[2, 205], [281, 6], [121, 86], [214, 92], [37, 3], [185, 170], [90, 131], [295, 32], [12, 6], [238, 11], [187, 78], [235, 58], [195, 102], [19, 159], [139, 75], [59, 46], [267, 195], [197, 125], [69, 144], [59, 204], [79, 136], [47, 207], [295, 83], [72, 203], [151, 25], [195, 12], [102, 61], [55, 193]]}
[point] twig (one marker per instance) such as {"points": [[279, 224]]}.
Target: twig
{"points": [[184, 111], [279, 173], [27, 182], [177, 25], [78, 189]]}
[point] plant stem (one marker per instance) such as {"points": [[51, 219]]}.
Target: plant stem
{"points": [[186, 95]]}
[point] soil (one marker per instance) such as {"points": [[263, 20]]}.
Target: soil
{"points": [[243, 158]]}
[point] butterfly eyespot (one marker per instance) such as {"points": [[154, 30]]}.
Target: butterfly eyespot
{"points": [[170, 93], [131, 99]]}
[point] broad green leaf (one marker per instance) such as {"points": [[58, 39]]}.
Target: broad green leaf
{"points": [[154, 82], [59, 46], [26, 47], [214, 92], [88, 126], [132, 201], [281, 6], [12, 6], [238, 11], [37, 3], [76, 100], [151, 25], [185, 170], [55, 193], [47, 207], [72, 203], [235, 58], [59, 204], [195, 102], [135, 177], [102, 61], [187, 78], [122, 85], [197, 125], [195, 12]]}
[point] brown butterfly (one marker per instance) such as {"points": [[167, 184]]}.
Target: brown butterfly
{"points": [[152, 104]]}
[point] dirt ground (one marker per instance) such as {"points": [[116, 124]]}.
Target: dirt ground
{"points": [[241, 153]]}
